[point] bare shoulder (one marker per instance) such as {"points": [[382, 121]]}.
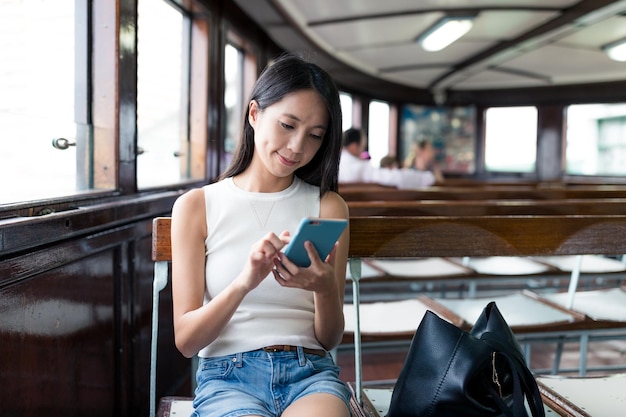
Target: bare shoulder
{"points": [[189, 211], [333, 205], [190, 201]]}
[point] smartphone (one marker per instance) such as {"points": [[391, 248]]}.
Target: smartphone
{"points": [[323, 233]]}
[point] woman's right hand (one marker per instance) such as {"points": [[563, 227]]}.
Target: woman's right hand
{"points": [[261, 259]]}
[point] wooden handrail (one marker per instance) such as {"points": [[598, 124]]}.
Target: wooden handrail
{"points": [[441, 236], [376, 193], [455, 236], [581, 206]]}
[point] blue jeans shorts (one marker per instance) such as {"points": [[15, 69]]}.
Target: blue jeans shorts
{"points": [[263, 383]]}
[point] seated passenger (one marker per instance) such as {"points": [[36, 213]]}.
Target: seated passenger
{"points": [[422, 158], [261, 325], [388, 162], [354, 169]]}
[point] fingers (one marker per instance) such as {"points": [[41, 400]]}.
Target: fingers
{"points": [[315, 257], [333, 253], [272, 244], [312, 252], [288, 274], [267, 249], [284, 268], [285, 237], [316, 261]]}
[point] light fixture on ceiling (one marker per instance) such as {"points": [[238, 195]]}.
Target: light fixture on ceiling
{"points": [[616, 50], [445, 31]]}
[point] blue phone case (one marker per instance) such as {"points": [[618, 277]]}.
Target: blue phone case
{"points": [[323, 233]]}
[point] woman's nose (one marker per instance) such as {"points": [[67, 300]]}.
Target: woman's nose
{"points": [[296, 143]]}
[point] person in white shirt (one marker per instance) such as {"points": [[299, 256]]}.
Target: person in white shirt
{"points": [[262, 326], [354, 169]]}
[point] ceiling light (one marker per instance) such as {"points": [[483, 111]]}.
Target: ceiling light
{"points": [[445, 31], [616, 50]]}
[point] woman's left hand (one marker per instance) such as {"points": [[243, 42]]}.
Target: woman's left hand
{"points": [[318, 277]]}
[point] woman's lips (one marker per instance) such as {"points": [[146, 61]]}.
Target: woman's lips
{"points": [[286, 161]]}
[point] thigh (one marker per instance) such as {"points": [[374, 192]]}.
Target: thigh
{"points": [[227, 390], [314, 405], [318, 389]]}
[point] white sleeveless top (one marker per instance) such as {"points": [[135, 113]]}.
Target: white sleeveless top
{"points": [[269, 314]]}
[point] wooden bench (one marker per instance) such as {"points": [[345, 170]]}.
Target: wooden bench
{"points": [[445, 236], [379, 193], [575, 396], [377, 398], [502, 207], [440, 236], [469, 280], [476, 236]]}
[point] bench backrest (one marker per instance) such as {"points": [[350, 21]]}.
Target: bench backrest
{"points": [[458, 236], [454, 236], [377, 193], [488, 207]]}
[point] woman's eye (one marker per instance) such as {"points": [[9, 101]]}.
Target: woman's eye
{"points": [[286, 126], [317, 137]]}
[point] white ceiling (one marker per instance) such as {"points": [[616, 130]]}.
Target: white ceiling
{"points": [[513, 43]]}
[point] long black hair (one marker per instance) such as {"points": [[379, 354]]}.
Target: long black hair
{"points": [[286, 75]]}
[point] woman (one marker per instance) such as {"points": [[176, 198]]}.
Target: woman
{"points": [[262, 326]]}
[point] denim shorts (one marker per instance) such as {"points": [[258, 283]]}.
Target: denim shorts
{"points": [[263, 383]]}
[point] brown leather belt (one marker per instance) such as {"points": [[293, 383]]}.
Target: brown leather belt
{"points": [[288, 348]]}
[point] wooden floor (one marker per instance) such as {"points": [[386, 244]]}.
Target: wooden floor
{"points": [[385, 364]]}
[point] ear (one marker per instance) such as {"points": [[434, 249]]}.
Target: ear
{"points": [[253, 112]]}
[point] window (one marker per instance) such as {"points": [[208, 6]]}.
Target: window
{"points": [[233, 99], [163, 151], [59, 80], [41, 64], [240, 74], [511, 139], [346, 110], [378, 131], [596, 139]]}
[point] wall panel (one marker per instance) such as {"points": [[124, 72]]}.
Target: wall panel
{"points": [[75, 317]]}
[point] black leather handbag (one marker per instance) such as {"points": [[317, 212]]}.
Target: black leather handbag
{"points": [[449, 372]]}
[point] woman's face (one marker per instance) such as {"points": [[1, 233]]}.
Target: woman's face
{"points": [[429, 152], [288, 134]]}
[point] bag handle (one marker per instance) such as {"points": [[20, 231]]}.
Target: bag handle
{"points": [[522, 388], [516, 361]]}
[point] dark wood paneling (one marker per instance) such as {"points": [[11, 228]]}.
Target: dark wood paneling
{"points": [[75, 313], [58, 340]]}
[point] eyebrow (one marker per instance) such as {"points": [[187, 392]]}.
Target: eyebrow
{"points": [[296, 118]]}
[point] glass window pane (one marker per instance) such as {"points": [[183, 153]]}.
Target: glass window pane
{"points": [[162, 100], [511, 139], [596, 139], [346, 110], [233, 100], [37, 64], [378, 131]]}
